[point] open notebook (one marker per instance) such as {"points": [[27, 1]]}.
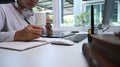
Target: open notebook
{"points": [[21, 46]]}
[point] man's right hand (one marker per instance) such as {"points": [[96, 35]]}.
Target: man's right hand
{"points": [[28, 33]]}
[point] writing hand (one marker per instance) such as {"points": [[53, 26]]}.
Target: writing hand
{"points": [[28, 33]]}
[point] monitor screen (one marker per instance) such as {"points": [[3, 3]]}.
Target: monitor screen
{"points": [[108, 11]]}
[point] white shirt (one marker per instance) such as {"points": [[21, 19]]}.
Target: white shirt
{"points": [[11, 21]]}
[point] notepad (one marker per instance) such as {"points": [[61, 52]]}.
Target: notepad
{"points": [[21, 46]]}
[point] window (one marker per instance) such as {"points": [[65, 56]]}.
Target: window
{"points": [[71, 10], [67, 13], [98, 13]]}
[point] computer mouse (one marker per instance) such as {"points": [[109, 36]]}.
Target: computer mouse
{"points": [[62, 42]]}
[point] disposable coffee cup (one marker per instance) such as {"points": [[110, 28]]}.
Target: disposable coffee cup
{"points": [[40, 18]]}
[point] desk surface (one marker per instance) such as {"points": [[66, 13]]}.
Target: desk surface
{"points": [[45, 56]]}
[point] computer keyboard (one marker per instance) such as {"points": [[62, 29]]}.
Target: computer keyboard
{"points": [[77, 37]]}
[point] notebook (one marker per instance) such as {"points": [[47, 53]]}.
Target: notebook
{"points": [[59, 34], [21, 46]]}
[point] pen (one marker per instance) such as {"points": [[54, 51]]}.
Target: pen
{"points": [[27, 21]]}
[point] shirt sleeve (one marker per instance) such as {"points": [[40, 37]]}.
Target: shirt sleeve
{"points": [[5, 35]]}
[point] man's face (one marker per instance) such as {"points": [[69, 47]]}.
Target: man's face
{"points": [[28, 3]]}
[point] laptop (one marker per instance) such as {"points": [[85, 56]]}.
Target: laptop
{"points": [[59, 34]]}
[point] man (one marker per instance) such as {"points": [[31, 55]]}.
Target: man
{"points": [[17, 21]]}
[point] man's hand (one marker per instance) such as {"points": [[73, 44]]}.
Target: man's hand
{"points": [[28, 33], [48, 27]]}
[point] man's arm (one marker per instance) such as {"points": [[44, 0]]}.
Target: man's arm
{"points": [[28, 33], [4, 36]]}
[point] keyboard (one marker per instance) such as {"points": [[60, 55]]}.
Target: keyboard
{"points": [[77, 37]]}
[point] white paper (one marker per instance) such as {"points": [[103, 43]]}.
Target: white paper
{"points": [[21, 46], [40, 18]]}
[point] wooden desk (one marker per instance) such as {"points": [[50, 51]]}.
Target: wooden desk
{"points": [[45, 56]]}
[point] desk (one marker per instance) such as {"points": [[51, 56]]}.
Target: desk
{"points": [[45, 56]]}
